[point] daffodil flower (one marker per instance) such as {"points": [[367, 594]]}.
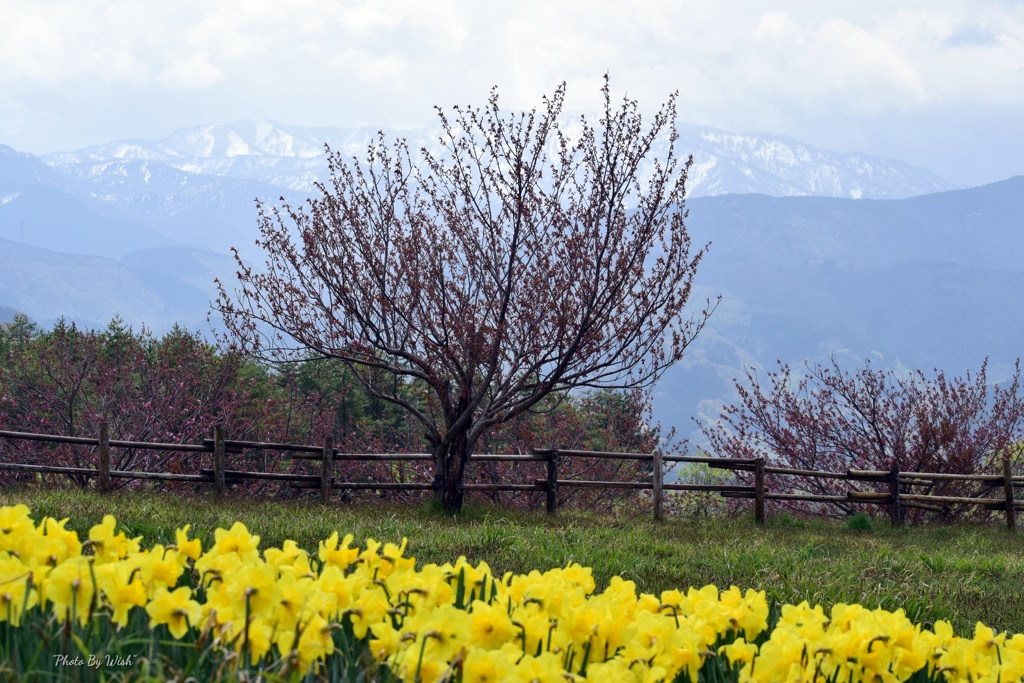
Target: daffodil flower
{"points": [[175, 609]]}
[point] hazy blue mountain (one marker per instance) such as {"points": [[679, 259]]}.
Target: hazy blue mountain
{"points": [[970, 226], [929, 282], [173, 206], [50, 218], [198, 187], [155, 288], [19, 170], [40, 207]]}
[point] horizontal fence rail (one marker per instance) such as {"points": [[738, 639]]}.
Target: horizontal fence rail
{"points": [[895, 497]]}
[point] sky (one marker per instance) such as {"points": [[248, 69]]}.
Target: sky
{"points": [[937, 83]]}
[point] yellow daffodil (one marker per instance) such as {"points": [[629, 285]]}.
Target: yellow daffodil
{"points": [[456, 621], [739, 651], [175, 609], [64, 542], [490, 625], [237, 541], [485, 666], [107, 545], [385, 640], [345, 589], [372, 609], [440, 632], [160, 568], [14, 521], [614, 671], [118, 592], [300, 597], [16, 591], [253, 590], [314, 643], [70, 589], [545, 668], [337, 554], [290, 559], [190, 549], [256, 638], [17, 531]]}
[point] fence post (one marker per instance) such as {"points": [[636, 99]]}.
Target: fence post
{"points": [[759, 490], [218, 460], [658, 479], [1011, 515], [552, 483], [326, 466], [895, 513], [103, 452]]}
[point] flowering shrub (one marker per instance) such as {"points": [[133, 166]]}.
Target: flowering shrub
{"points": [[177, 388], [829, 419], [287, 612]]}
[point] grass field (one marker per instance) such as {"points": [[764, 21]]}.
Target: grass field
{"points": [[962, 574]]}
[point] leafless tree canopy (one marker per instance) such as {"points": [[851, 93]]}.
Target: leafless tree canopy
{"points": [[515, 263]]}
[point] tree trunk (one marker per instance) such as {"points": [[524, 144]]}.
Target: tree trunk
{"points": [[450, 470]]}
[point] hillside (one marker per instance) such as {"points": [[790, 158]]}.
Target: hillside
{"points": [[929, 282], [155, 288], [141, 228]]}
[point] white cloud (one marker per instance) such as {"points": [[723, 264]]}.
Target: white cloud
{"points": [[834, 64], [897, 54], [801, 65], [190, 71]]}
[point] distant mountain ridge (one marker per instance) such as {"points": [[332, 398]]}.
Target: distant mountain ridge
{"points": [[292, 157], [154, 288], [197, 188], [930, 279]]}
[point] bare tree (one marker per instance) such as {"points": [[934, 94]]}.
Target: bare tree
{"points": [[514, 264]]}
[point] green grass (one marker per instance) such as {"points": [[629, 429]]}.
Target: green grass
{"points": [[963, 574]]}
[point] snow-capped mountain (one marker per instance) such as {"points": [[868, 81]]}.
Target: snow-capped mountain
{"points": [[292, 158], [183, 208], [287, 157], [730, 163]]}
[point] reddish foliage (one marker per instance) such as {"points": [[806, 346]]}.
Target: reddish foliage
{"points": [[172, 390], [599, 421], [175, 389], [832, 420]]}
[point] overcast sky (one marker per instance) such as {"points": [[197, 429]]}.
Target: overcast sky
{"points": [[937, 83]]}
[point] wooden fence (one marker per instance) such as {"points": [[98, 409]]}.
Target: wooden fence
{"points": [[895, 498]]}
